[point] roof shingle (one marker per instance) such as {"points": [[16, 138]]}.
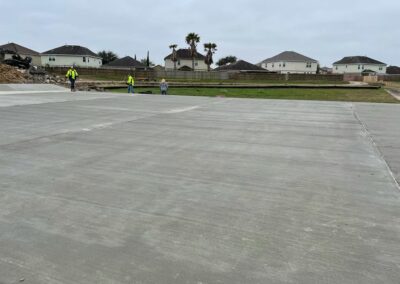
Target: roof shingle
{"points": [[71, 50], [185, 54], [19, 49], [240, 65], [126, 61], [289, 56], [393, 70], [358, 60]]}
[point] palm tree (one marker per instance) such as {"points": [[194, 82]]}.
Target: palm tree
{"points": [[192, 40], [174, 57], [211, 48]]}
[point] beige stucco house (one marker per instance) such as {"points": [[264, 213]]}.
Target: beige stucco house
{"points": [[290, 62], [185, 61], [69, 55], [358, 65]]}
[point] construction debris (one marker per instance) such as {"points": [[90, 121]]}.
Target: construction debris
{"points": [[9, 74]]}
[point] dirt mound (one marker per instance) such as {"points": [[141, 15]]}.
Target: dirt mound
{"points": [[9, 74]]}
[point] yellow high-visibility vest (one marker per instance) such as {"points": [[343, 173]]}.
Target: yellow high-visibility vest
{"points": [[131, 80], [72, 74]]}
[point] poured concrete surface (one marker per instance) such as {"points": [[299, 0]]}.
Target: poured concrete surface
{"points": [[382, 121], [102, 188]]}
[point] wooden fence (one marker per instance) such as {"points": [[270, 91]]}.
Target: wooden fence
{"points": [[154, 75]]}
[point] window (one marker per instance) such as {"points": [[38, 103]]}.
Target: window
{"points": [[363, 67], [346, 66], [308, 65], [273, 65], [84, 59], [196, 63], [284, 64], [52, 59], [336, 68], [359, 67], [280, 65], [179, 62], [381, 68]]}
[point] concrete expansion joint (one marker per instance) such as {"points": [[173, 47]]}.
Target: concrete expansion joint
{"points": [[374, 145]]}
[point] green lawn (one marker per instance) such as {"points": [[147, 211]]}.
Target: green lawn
{"points": [[123, 78], [350, 95]]}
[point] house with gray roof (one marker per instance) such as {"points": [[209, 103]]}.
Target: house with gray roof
{"points": [[11, 48], [68, 55], [127, 63], [358, 65], [289, 62], [184, 62], [239, 65]]}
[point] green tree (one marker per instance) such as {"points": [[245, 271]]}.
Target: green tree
{"points": [[226, 60], [107, 56], [174, 57], [146, 61], [210, 48], [192, 39]]}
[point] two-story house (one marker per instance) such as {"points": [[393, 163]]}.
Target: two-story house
{"points": [[289, 62]]}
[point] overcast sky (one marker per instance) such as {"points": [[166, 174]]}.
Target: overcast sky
{"points": [[252, 30]]}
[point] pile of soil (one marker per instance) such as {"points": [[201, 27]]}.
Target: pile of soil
{"points": [[9, 74]]}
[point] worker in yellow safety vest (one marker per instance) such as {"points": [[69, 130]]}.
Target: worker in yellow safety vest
{"points": [[131, 84], [72, 75]]}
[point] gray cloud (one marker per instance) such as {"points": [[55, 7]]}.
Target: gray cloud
{"points": [[252, 30]]}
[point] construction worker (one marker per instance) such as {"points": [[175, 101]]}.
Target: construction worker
{"points": [[131, 84], [72, 75]]}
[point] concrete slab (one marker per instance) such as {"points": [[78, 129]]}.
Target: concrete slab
{"points": [[30, 87], [383, 124], [103, 188]]}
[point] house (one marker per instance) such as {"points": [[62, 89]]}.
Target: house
{"points": [[393, 70], [357, 64], [68, 55], [185, 61], [12, 48], [325, 70], [290, 62], [239, 65], [126, 62], [158, 68]]}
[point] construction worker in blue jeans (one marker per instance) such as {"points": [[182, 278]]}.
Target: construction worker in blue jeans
{"points": [[131, 84], [72, 75]]}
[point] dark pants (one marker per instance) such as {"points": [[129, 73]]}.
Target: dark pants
{"points": [[72, 84], [163, 92], [131, 89]]}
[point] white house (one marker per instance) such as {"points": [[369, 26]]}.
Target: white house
{"points": [[358, 65], [12, 48], [290, 62], [69, 55], [185, 61]]}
